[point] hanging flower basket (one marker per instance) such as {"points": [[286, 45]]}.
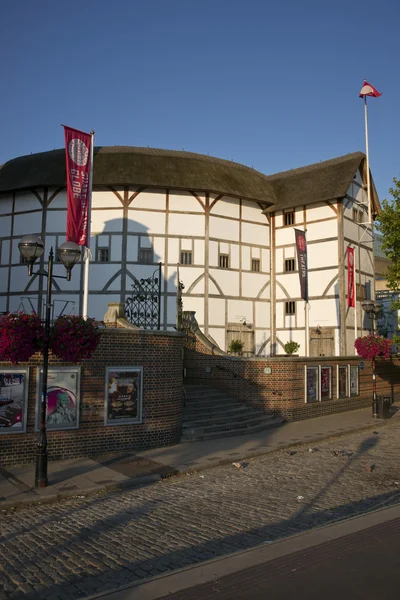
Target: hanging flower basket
{"points": [[21, 336], [74, 339], [370, 347]]}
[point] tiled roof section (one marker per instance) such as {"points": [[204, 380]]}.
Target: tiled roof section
{"points": [[122, 165], [318, 182]]}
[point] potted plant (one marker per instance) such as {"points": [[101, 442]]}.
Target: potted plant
{"points": [[236, 347], [291, 348], [21, 335], [74, 338]]}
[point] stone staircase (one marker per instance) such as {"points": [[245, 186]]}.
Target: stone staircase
{"points": [[211, 414]]}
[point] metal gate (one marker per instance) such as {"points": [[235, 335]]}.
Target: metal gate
{"points": [[143, 307]]}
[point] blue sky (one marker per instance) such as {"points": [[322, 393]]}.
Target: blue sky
{"points": [[273, 85]]}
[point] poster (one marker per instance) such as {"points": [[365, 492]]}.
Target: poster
{"points": [[123, 395], [62, 410], [13, 400], [326, 379], [354, 381], [342, 382], [311, 384]]}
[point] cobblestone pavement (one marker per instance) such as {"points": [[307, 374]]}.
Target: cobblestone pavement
{"points": [[80, 547]]}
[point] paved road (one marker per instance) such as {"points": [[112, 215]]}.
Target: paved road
{"points": [[80, 547], [363, 566]]}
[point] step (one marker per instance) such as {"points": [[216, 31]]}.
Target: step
{"points": [[212, 426], [233, 415], [210, 396], [238, 411], [277, 422]]}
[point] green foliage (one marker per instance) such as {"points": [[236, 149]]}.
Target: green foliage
{"points": [[236, 346], [291, 347], [389, 226]]}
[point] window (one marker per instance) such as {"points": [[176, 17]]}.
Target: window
{"points": [[358, 215], [102, 255], [186, 257], [355, 215], [255, 265], [224, 261], [290, 308], [361, 291], [288, 218], [289, 265], [145, 255]]}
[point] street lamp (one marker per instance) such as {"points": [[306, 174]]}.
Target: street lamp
{"points": [[31, 248], [373, 308]]}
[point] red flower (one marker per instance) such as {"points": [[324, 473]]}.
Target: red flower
{"points": [[370, 347], [21, 336], [74, 339]]}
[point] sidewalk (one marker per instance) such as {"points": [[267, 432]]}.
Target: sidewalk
{"points": [[85, 477]]}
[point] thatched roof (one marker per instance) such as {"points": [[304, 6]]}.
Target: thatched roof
{"points": [[327, 180], [149, 167], [152, 167]]}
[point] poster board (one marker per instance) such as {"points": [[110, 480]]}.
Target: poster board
{"points": [[123, 395], [312, 384], [63, 398], [14, 383]]}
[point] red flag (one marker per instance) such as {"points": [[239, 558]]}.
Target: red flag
{"points": [[301, 245], [77, 152], [369, 90], [350, 277]]}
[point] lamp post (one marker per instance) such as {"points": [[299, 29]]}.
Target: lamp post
{"points": [[372, 309], [31, 248]]}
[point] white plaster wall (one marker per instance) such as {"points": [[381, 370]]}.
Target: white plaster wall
{"points": [[189, 274], [6, 203], [100, 274], [196, 304], [323, 254], [199, 287], [98, 304], [322, 230], [106, 199], [213, 254], [63, 284], [56, 221], [26, 201], [216, 311], [218, 335], [59, 200], [227, 280], [116, 247], [173, 251], [290, 284], [240, 309], [146, 221], [252, 283], [319, 211], [222, 229], [3, 279], [285, 236], [234, 256], [179, 224], [184, 201], [132, 248], [115, 285], [5, 252], [255, 234], [107, 220], [318, 282], [159, 249], [260, 338], [324, 312], [19, 278], [263, 314], [198, 257], [246, 258], [252, 212], [25, 224], [226, 206]]}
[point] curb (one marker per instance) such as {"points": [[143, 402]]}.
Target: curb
{"points": [[86, 493]]}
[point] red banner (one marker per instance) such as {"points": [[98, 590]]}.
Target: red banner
{"points": [[350, 277], [301, 245], [77, 152]]}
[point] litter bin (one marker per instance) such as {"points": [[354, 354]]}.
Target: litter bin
{"points": [[384, 404]]}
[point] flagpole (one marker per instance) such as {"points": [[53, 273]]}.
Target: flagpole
{"points": [[87, 250], [307, 306], [367, 155]]}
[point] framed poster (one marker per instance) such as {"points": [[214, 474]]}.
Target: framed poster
{"points": [[325, 383], [63, 398], [13, 400], [342, 384], [124, 395], [354, 387], [312, 384]]}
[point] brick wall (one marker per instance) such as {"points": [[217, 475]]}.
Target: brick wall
{"points": [[283, 390], [160, 355]]}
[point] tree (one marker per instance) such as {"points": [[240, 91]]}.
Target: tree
{"points": [[389, 226]]}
